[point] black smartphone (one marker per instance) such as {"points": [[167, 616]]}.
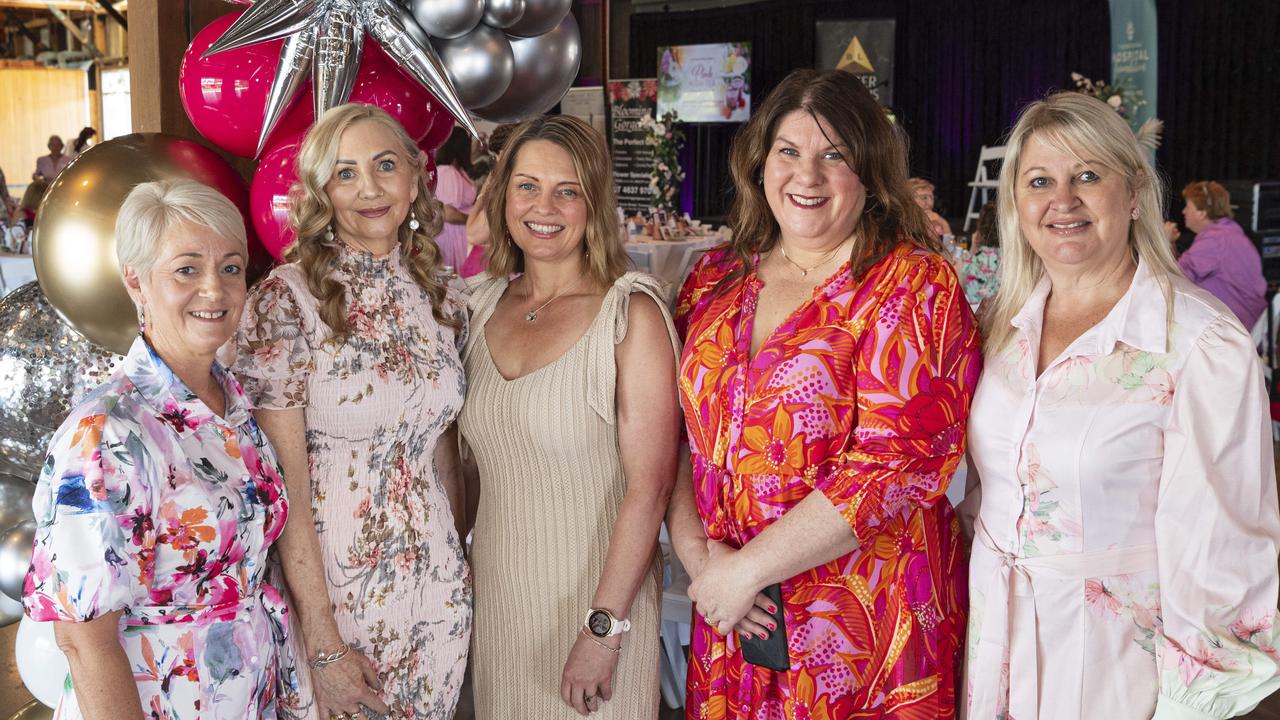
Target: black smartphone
{"points": [[771, 653]]}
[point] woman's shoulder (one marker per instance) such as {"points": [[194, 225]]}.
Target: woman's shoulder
{"points": [[483, 291], [1196, 310], [112, 410]]}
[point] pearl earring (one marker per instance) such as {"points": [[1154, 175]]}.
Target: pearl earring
{"points": [[413, 221], [328, 233], [1134, 213]]}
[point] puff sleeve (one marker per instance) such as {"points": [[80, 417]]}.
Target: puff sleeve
{"points": [[273, 357]]}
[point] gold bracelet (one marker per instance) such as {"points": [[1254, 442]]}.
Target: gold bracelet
{"points": [[323, 658], [594, 639]]}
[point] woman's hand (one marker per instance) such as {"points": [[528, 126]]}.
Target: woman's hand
{"points": [[1171, 231], [342, 687], [588, 673], [725, 589]]}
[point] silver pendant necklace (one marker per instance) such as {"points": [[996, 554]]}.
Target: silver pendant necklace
{"points": [[532, 315], [804, 271]]}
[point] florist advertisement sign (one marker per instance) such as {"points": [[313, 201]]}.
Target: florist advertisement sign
{"points": [[631, 103], [705, 83]]}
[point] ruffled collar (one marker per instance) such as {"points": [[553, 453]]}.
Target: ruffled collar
{"points": [[362, 263]]}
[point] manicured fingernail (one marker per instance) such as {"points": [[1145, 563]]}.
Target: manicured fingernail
{"points": [[772, 626], [773, 609], [764, 636]]}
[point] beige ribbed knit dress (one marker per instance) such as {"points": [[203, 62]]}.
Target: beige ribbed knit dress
{"points": [[551, 482]]}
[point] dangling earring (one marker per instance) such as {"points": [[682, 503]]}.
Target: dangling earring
{"points": [[142, 320], [328, 233], [413, 221], [1133, 214]]}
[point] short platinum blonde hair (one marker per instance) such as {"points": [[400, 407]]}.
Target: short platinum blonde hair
{"points": [[1089, 129], [150, 209]]}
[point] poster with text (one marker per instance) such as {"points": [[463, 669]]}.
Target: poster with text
{"points": [[629, 101], [861, 47], [705, 83]]}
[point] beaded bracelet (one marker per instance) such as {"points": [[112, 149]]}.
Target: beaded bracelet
{"points": [[593, 639], [322, 658]]}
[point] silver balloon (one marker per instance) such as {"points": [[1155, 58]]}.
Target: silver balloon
{"points": [[15, 500], [45, 368], [447, 18], [10, 610], [539, 16], [503, 14], [34, 710], [339, 47], [291, 72], [480, 64], [15, 558], [545, 68]]}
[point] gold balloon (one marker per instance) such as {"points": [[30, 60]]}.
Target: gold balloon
{"points": [[74, 241], [33, 711]]}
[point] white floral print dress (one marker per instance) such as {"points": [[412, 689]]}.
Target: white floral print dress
{"points": [[375, 408], [1124, 558], [150, 504]]}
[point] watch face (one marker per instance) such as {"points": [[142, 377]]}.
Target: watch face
{"points": [[599, 623]]}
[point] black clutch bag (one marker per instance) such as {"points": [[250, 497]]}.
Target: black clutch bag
{"points": [[771, 653]]}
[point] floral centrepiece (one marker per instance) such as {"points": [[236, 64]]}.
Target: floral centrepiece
{"points": [[665, 137], [1125, 100]]}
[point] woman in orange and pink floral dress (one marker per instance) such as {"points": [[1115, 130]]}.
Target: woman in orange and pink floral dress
{"points": [[829, 360]]}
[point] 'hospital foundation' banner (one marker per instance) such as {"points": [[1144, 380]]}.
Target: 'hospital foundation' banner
{"points": [[630, 100], [1133, 52]]}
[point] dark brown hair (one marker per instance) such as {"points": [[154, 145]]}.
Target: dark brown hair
{"points": [[1210, 197], [987, 231], [876, 152], [606, 259]]}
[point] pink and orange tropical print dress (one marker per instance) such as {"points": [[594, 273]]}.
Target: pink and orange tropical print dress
{"points": [[861, 394]]}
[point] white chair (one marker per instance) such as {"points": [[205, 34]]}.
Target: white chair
{"points": [[983, 182]]}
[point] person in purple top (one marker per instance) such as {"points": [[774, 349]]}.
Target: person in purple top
{"points": [[1222, 259]]}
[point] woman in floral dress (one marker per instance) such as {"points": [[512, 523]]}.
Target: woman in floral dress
{"points": [[160, 496], [828, 360], [1124, 552], [350, 353]]}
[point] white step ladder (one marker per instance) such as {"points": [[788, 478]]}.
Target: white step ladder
{"points": [[983, 182]]}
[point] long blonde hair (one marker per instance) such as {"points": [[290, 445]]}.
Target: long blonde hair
{"points": [[311, 214], [1087, 128], [606, 259]]}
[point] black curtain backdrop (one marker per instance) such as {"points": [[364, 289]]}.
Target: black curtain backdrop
{"points": [[963, 69]]}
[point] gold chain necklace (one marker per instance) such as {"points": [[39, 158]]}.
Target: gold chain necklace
{"points": [[532, 315], [804, 271]]}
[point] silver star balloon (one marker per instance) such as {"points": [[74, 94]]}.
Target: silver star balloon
{"points": [[327, 38]]}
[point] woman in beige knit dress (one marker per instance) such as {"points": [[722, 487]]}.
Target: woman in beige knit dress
{"points": [[571, 414]]}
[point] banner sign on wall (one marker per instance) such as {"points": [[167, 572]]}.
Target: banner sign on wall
{"points": [[705, 83], [630, 100], [1133, 52], [861, 47]]}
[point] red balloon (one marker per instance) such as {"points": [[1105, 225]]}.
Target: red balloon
{"points": [[429, 169], [269, 195], [438, 134], [380, 82], [225, 95]]}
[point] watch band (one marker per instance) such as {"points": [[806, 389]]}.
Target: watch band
{"points": [[599, 615]]}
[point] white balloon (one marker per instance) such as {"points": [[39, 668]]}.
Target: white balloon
{"points": [[41, 665]]}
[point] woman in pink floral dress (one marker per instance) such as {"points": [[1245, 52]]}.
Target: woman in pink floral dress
{"points": [[350, 353], [1124, 553]]}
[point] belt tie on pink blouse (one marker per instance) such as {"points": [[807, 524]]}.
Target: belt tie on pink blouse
{"points": [[1010, 613]]}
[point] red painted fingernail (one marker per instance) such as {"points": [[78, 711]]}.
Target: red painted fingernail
{"points": [[773, 609], [772, 626], [764, 636]]}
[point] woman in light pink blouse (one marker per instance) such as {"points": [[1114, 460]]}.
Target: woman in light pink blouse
{"points": [[1124, 553]]}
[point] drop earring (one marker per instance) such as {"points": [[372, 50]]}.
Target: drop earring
{"points": [[328, 233], [1133, 214], [413, 221]]}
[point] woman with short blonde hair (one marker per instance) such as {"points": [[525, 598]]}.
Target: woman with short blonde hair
{"points": [[350, 352]]}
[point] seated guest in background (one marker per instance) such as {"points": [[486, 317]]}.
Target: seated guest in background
{"points": [[455, 190], [979, 267], [571, 413], [83, 141], [350, 353], [828, 362], [160, 496], [1222, 259], [923, 192], [477, 225], [1124, 552], [7, 202], [48, 166]]}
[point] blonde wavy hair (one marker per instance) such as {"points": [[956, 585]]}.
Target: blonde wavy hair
{"points": [[606, 259], [311, 215], [1090, 130]]}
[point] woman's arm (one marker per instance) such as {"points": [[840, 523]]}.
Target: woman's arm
{"points": [[648, 428], [105, 688], [449, 468], [454, 216], [688, 537], [342, 686]]}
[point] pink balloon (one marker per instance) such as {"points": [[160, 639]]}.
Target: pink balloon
{"points": [[225, 95], [269, 195], [429, 169], [380, 82], [438, 134]]}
